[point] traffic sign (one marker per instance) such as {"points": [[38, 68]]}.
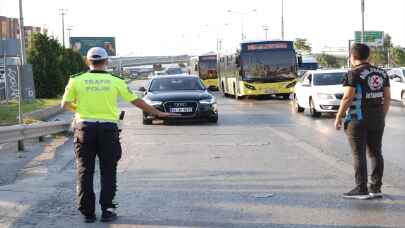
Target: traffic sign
{"points": [[371, 38]]}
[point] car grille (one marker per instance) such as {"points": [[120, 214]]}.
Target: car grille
{"points": [[339, 96], [182, 104]]}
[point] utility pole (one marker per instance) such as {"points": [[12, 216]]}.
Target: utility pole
{"points": [[20, 65], [362, 21], [266, 30], [282, 20], [63, 13], [22, 35]]}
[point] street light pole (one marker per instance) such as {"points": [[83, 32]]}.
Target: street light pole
{"points": [[362, 21], [266, 30], [63, 13], [282, 20], [349, 64], [69, 29], [242, 14]]}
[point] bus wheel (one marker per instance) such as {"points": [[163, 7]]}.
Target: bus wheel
{"points": [[236, 92]]}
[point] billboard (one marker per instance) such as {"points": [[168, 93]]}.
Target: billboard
{"points": [[83, 44], [371, 38]]}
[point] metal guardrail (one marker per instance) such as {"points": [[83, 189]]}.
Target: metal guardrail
{"points": [[21, 132]]}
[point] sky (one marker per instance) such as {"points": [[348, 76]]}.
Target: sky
{"points": [[174, 27]]}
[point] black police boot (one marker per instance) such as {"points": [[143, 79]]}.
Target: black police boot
{"points": [[89, 218], [108, 215]]}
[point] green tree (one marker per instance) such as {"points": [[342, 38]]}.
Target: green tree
{"points": [[378, 56], [330, 61], [398, 57], [71, 63], [388, 41], [44, 55], [52, 65], [302, 45]]}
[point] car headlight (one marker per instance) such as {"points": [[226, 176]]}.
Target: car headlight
{"points": [[325, 96], [152, 103], [208, 101]]}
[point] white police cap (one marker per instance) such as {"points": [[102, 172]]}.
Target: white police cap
{"points": [[97, 53]]}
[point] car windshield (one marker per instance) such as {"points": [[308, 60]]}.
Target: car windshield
{"points": [[269, 66], [172, 71], [174, 84], [324, 79]]}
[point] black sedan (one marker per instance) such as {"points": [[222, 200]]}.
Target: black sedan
{"points": [[182, 94]]}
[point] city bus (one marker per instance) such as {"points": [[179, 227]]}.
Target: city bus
{"points": [[205, 66], [259, 68]]}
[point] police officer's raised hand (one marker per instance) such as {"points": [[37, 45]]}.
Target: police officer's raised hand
{"points": [[152, 110]]}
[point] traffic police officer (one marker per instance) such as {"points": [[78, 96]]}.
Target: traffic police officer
{"points": [[366, 100], [93, 97]]}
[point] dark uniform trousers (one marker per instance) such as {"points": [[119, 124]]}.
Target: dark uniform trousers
{"points": [[366, 136], [101, 140]]}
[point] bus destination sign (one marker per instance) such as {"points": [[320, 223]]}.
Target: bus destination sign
{"points": [[254, 47]]}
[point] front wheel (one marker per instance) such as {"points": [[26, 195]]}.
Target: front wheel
{"points": [[147, 122], [213, 119], [297, 107], [312, 109], [403, 98]]}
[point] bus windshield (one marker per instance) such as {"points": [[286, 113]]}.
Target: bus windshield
{"points": [[269, 66], [208, 69]]}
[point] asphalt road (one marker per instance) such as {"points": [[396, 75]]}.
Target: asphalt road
{"points": [[262, 165]]}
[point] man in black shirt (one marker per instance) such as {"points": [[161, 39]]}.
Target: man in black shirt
{"points": [[365, 103]]}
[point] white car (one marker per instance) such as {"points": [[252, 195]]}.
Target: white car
{"points": [[319, 91], [397, 81]]}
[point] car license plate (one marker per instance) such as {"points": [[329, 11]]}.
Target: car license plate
{"points": [[271, 91], [182, 110]]}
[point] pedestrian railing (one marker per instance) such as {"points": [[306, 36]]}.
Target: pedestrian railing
{"points": [[20, 132]]}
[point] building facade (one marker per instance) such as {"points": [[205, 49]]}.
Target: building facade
{"points": [[29, 31], [9, 28]]}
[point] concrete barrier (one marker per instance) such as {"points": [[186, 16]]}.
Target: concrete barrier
{"points": [[43, 114]]}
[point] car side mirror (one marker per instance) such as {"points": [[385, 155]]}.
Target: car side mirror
{"points": [[142, 89]]}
